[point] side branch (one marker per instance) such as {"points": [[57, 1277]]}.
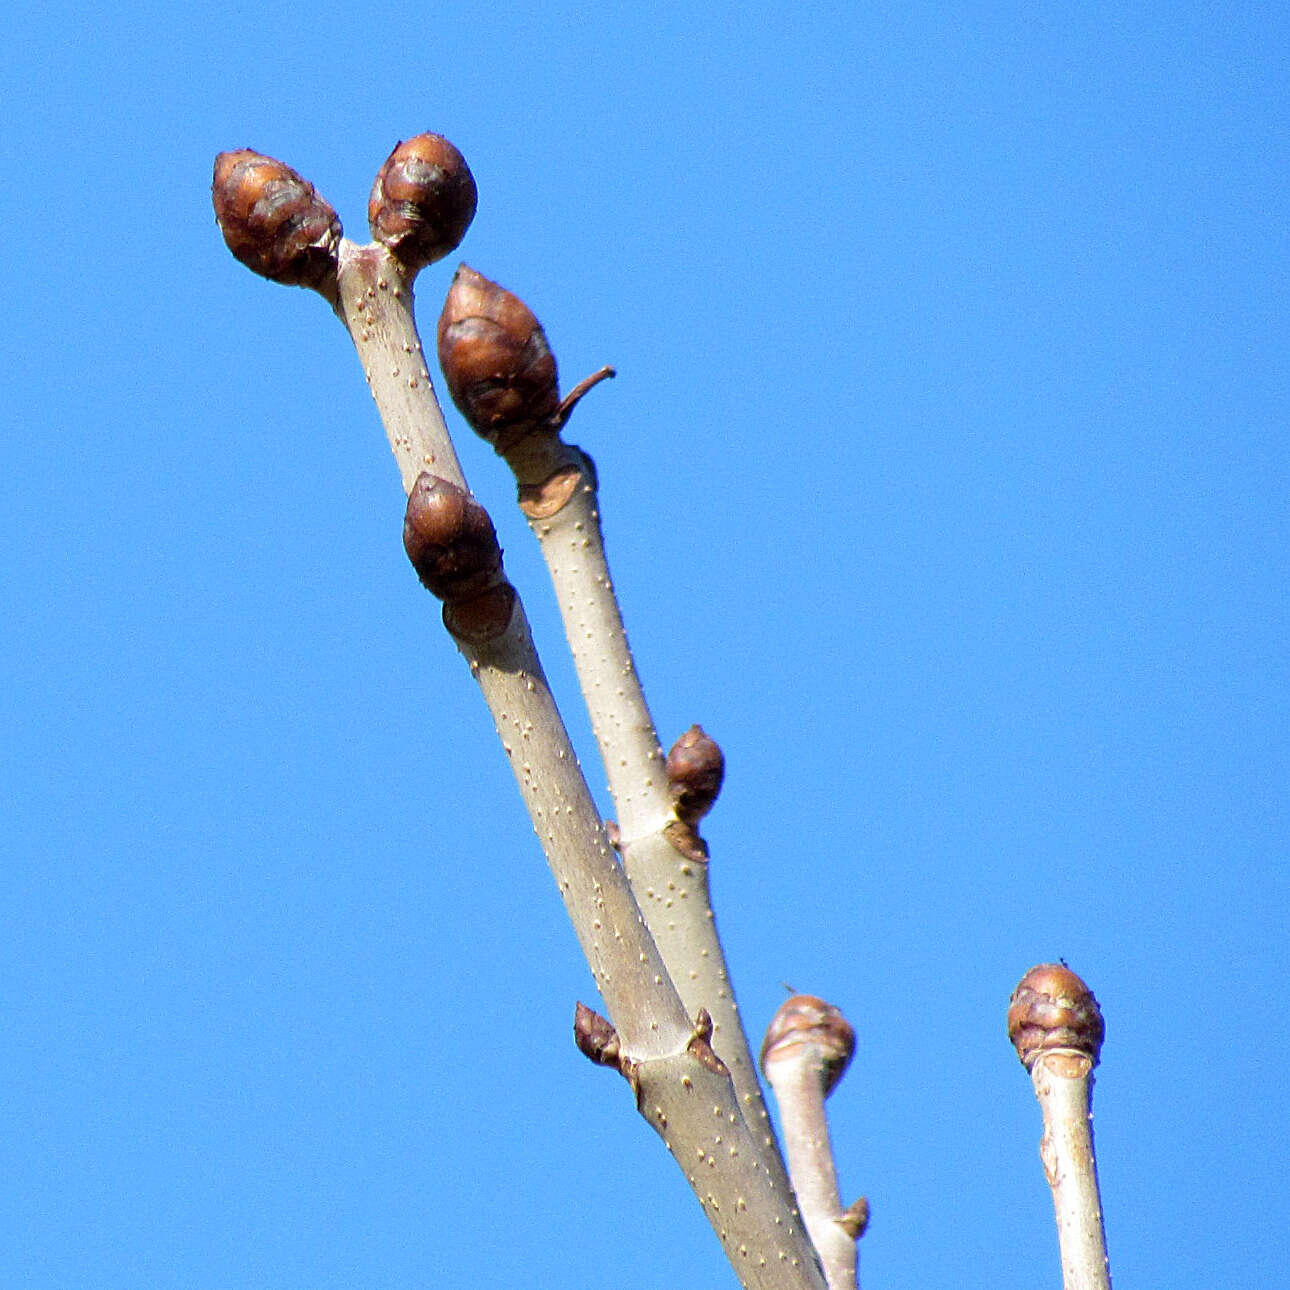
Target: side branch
{"points": [[502, 375]]}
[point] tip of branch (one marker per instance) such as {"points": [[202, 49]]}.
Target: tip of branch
{"points": [[1052, 1009], [274, 221], [422, 201], [807, 1027], [497, 362]]}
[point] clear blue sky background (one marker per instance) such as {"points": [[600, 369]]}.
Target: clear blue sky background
{"points": [[946, 484]]}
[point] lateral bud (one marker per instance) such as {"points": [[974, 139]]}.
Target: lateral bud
{"points": [[595, 1036], [422, 201], [806, 1026], [453, 547], [700, 1045], [1052, 1009], [274, 221], [854, 1220], [695, 770]]}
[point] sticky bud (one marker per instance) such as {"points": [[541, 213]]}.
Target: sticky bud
{"points": [[273, 220], [695, 769], [453, 547], [1052, 1009], [807, 1026], [450, 539], [423, 200], [497, 363]]}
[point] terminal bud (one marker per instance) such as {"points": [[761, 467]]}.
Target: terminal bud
{"points": [[496, 360], [1051, 1009], [274, 221], [806, 1026], [422, 201]]}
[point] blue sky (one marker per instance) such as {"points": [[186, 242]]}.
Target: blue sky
{"points": [[945, 480]]}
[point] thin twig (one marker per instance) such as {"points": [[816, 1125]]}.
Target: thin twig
{"points": [[682, 1088], [1056, 1027], [807, 1048]]}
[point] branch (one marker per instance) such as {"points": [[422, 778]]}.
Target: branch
{"points": [[1057, 1029], [807, 1049], [502, 375], [682, 1088], [423, 199]]}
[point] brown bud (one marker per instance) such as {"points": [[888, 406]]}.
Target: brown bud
{"points": [[483, 617], [422, 201], [450, 540], [495, 357], [595, 1037], [453, 547], [273, 220], [1051, 1008], [807, 1026], [695, 769], [700, 1045], [854, 1220]]}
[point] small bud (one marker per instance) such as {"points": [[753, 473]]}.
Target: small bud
{"points": [[806, 1025], [273, 220], [495, 357], [422, 201], [695, 769], [854, 1220], [700, 1045], [1051, 1008], [595, 1037]]}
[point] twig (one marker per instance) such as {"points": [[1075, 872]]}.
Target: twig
{"points": [[502, 375], [807, 1049], [1056, 1027], [275, 222]]}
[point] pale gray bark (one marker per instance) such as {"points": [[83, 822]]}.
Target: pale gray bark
{"points": [[670, 886], [374, 300], [1063, 1083], [694, 1108], [798, 1083]]}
